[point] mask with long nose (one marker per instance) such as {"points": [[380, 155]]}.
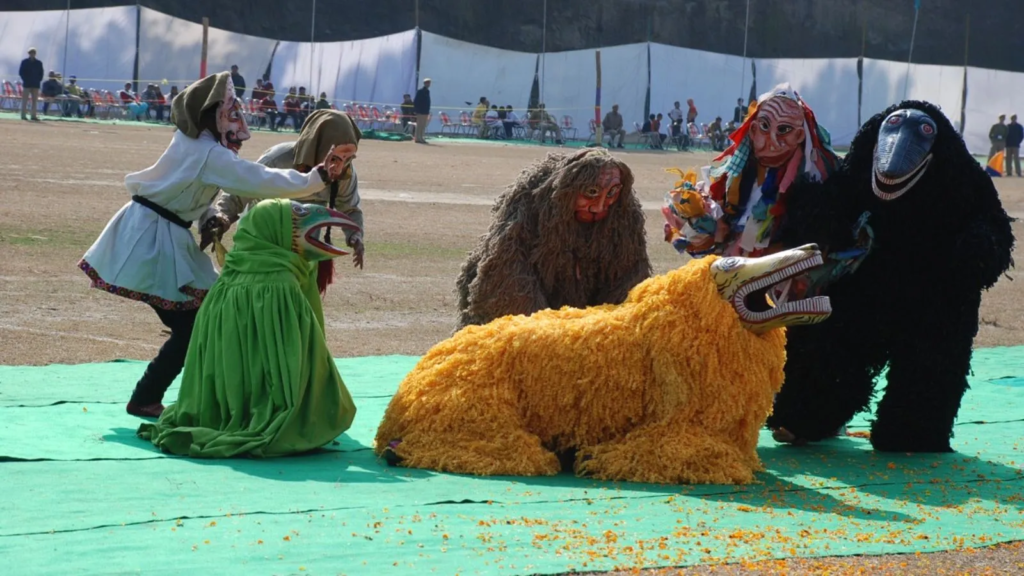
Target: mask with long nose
{"points": [[769, 292], [778, 131]]}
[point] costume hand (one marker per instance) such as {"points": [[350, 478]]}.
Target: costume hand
{"points": [[213, 228], [357, 252]]}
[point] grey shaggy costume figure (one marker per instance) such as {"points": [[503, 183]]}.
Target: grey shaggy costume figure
{"points": [[536, 255]]}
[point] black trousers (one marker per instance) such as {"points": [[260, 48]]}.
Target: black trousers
{"points": [[169, 360]]}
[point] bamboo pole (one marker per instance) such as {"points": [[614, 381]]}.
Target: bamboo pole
{"points": [[206, 36], [597, 102]]}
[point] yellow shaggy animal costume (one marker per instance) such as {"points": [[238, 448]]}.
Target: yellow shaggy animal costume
{"points": [[671, 386]]}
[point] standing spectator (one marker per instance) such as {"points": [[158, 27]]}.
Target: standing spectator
{"points": [[238, 81], [478, 116], [408, 109], [1014, 136], [997, 136], [31, 72], [422, 108], [691, 113], [739, 112], [716, 135], [612, 125], [511, 121], [131, 102], [676, 115], [52, 91], [322, 103]]}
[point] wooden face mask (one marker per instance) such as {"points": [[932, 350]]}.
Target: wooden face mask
{"points": [[231, 122], [593, 203], [778, 131]]}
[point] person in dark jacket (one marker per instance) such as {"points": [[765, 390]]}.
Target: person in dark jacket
{"points": [[421, 106], [1014, 136], [238, 81], [31, 72]]}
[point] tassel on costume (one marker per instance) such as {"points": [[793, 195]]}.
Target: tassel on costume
{"points": [[325, 268], [324, 275]]}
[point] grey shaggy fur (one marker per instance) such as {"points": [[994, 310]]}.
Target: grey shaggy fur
{"points": [[535, 254]]}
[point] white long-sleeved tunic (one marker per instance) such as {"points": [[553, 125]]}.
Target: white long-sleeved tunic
{"points": [[143, 256]]}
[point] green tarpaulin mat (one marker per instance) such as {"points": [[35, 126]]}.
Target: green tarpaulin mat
{"points": [[81, 494]]}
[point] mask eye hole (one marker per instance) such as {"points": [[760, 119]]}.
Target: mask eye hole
{"points": [[299, 209], [927, 129], [894, 120]]}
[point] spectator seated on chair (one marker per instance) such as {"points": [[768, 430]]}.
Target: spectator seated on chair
{"points": [[322, 103], [544, 122], [136, 109], [612, 125], [76, 98], [715, 134], [659, 143], [729, 129], [408, 109], [647, 129], [269, 107], [52, 91], [511, 121], [305, 105], [259, 92], [292, 109], [154, 98], [494, 125]]}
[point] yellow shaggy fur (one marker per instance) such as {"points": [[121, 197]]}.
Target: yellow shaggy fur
{"points": [[666, 387]]}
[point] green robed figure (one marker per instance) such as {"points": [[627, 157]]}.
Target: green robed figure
{"points": [[259, 379]]}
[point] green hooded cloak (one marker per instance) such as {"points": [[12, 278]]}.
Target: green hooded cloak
{"points": [[258, 379]]}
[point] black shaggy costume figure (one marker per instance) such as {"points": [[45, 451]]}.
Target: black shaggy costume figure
{"points": [[940, 237]]}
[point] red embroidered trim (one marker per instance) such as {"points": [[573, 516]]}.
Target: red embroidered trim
{"points": [[196, 294]]}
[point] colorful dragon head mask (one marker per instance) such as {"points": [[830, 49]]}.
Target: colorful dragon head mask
{"points": [[769, 292], [309, 224]]}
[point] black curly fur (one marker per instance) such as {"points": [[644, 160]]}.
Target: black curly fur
{"points": [[913, 303]]}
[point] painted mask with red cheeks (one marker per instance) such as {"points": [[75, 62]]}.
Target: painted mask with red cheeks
{"points": [[778, 131], [231, 122], [593, 203]]}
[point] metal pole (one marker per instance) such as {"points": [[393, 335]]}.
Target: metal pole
{"points": [[746, 27], [906, 82], [312, 35], [543, 48], [67, 34]]}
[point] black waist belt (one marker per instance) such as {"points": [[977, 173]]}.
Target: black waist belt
{"points": [[163, 212]]}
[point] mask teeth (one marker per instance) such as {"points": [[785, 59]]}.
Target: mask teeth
{"points": [[295, 234]]}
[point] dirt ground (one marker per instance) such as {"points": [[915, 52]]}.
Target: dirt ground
{"points": [[424, 207]]}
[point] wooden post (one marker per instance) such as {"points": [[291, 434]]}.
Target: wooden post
{"points": [[597, 102], [206, 34]]}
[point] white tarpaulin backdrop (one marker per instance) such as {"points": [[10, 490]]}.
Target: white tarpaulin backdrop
{"points": [[989, 94], [885, 83], [101, 44], [101, 52], [461, 72], [569, 83], [712, 80], [171, 49], [829, 86], [374, 70]]}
